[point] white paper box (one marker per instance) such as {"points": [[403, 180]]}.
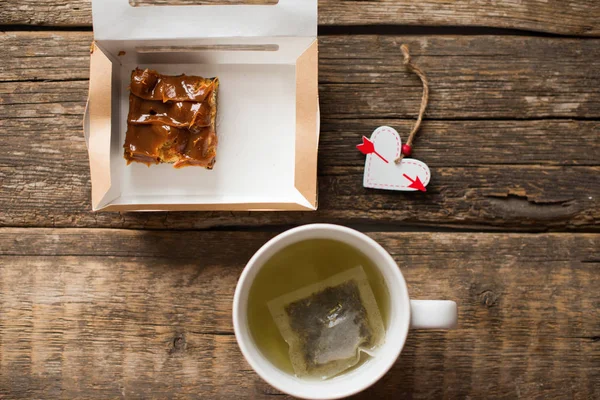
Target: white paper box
{"points": [[268, 115]]}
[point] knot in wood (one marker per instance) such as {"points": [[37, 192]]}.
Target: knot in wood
{"points": [[179, 344], [488, 298]]}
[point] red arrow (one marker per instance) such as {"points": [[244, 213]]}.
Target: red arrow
{"points": [[416, 183], [367, 147]]}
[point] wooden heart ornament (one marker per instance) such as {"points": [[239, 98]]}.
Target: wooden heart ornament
{"points": [[381, 172]]}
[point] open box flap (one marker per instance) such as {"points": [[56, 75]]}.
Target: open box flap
{"points": [[97, 126], [118, 20], [307, 123]]}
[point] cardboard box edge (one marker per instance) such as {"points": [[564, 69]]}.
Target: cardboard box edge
{"points": [[307, 115], [99, 113], [206, 207]]}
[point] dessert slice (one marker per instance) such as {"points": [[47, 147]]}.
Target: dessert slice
{"points": [[172, 119]]}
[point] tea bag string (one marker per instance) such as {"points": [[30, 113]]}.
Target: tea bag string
{"points": [[419, 72]]}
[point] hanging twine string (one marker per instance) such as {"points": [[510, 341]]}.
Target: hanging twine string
{"points": [[419, 72]]}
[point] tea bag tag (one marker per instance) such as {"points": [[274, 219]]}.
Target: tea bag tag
{"points": [[381, 172]]}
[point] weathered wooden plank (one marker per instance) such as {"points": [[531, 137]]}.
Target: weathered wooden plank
{"points": [[56, 193], [470, 77], [508, 174], [469, 143], [571, 18], [107, 313], [503, 197], [38, 116], [527, 174], [40, 56], [363, 77]]}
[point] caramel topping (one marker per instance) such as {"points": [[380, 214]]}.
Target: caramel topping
{"points": [[155, 143], [151, 85], [181, 114], [200, 149]]}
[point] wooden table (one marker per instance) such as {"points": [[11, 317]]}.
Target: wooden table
{"points": [[107, 305]]}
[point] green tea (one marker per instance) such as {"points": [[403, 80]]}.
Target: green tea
{"points": [[296, 266]]}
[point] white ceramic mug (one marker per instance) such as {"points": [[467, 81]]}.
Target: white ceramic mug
{"points": [[404, 314]]}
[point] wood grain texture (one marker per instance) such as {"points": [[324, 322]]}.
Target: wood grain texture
{"points": [[141, 314], [575, 17], [471, 77], [509, 174]]}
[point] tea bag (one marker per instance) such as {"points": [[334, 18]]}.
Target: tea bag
{"points": [[328, 324]]}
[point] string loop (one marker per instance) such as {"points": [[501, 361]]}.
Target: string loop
{"points": [[419, 72]]}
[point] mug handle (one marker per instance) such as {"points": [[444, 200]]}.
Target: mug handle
{"points": [[433, 314]]}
